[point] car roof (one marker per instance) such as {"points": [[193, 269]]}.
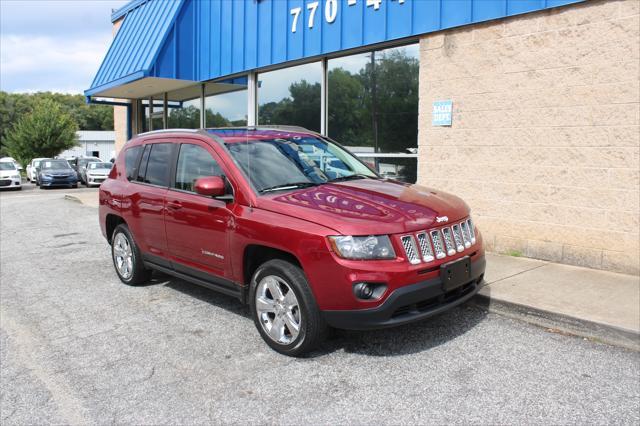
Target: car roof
{"points": [[235, 134]]}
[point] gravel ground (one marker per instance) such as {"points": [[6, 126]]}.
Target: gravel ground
{"points": [[79, 347]]}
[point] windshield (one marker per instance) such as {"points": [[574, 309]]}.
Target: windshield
{"points": [[294, 162], [100, 166], [54, 165], [5, 165]]}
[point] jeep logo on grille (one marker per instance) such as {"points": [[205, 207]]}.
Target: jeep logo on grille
{"points": [[441, 219]]}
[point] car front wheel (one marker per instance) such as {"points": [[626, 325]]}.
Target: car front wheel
{"points": [[284, 309], [127, 258]]}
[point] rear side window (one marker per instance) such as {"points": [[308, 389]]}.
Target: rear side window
{"points": [[157, 172], [194, 162], [131, 161], [143, 164]]}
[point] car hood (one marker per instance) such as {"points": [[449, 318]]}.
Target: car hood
{"points": [[8, 174], [57, 172], [369, 206]]}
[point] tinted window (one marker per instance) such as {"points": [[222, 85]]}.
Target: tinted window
{"points": [[143, 163], [130, 161], [157, 167], [194, 162], [55, 165]]}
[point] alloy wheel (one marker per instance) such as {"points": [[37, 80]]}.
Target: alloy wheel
{"points": [[123, 256], [278, 310]]}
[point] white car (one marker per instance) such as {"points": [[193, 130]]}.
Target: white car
{"points": [[31, 169], [9, 176], [96, 173]]}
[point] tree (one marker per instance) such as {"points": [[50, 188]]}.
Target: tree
{"points": [[45, 132]]}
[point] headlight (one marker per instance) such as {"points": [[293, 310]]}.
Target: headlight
{"points": [[15, 177], [370, 247]]}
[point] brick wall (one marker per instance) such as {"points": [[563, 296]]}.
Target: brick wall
{"points": [[544, 144]]}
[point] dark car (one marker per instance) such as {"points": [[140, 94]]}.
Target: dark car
{"points": [[79, 164], [292, 224], [53, 173]]}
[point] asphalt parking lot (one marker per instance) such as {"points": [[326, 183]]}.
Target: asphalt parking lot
{"points": [[79, 347]]}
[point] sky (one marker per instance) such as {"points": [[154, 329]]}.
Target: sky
{"points": [[51, 45]]}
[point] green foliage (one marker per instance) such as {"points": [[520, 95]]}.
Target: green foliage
{"points": [[44, 132], [13, 106]]}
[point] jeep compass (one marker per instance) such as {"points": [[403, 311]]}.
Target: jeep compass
{"points": [[291, 223]]}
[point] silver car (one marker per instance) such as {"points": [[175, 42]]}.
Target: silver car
{"points": [[95, 173]]}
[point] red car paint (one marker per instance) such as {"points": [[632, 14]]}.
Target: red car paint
{"points": [[297, 222]]}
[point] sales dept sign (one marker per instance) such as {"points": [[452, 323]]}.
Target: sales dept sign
{"points": [[441, 115]]}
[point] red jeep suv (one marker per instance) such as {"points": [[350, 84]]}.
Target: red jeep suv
{"points": [[291, 223]]}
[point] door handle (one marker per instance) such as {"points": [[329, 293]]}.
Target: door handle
{"points": [[174, 205]]}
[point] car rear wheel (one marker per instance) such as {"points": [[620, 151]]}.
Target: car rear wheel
{"points": [[284, 309], [127, 258]]}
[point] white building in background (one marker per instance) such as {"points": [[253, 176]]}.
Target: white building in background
{"points": [[93, 143]]}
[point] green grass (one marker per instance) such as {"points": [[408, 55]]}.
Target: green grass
{"points": [[514, 253]]}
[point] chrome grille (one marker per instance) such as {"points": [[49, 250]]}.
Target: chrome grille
{"points": [[448, 241], [472, 232], [425, 247], [436, 237], [410, 249], [466, 237], [457, 237]]}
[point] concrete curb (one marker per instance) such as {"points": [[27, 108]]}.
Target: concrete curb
{"points": [[604, 333], [73, 198]]}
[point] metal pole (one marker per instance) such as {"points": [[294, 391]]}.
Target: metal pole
{"points": [[203, 121], [324, 97], [165, 111], [252, 99], [150, 113]]}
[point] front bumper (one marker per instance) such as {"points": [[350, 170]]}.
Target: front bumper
{"points": [[409, 303], [95, 180], [8, 183], [59, 182]]}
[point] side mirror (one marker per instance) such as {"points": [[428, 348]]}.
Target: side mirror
{"points": [[210, 186]]}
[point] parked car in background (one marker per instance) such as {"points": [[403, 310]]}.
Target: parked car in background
{"points": [[80, 163], [32, 175], [9, 175], [57, 172], [95, 173], [308, 244]]}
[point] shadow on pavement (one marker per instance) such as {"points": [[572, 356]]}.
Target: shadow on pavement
{"points": [[403, 340]]}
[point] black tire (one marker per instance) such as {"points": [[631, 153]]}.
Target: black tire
{"points": [[140, 274], [313, 328], [75, 185]]}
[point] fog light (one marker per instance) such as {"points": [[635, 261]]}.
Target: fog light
{"points": [[363, 291]]}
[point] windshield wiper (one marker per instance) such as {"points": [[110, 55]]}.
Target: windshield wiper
{"points": [[350, 177], [284, 186]]}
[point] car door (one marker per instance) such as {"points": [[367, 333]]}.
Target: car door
{"points": [[147, 200], [196, 225]]}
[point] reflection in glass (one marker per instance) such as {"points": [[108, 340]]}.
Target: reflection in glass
{"points": [[187, 117], [373, 105], [227, 109], [290, 96]]}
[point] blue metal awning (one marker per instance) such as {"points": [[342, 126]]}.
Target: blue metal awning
{"points": [[136, 45], [166, 46]]}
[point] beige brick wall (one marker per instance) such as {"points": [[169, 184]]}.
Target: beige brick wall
{"points": [[544, 144]]}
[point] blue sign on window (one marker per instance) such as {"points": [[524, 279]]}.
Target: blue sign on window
{"points": [[442, 111]]}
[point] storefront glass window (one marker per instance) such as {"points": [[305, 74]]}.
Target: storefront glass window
{"points": [[373, 105], [227, 109], [290, 96], [187, 117]]}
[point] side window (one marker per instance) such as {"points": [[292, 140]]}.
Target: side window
{"points": [[194, 162], [130, 161], [158, 165], [143, 164]]}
